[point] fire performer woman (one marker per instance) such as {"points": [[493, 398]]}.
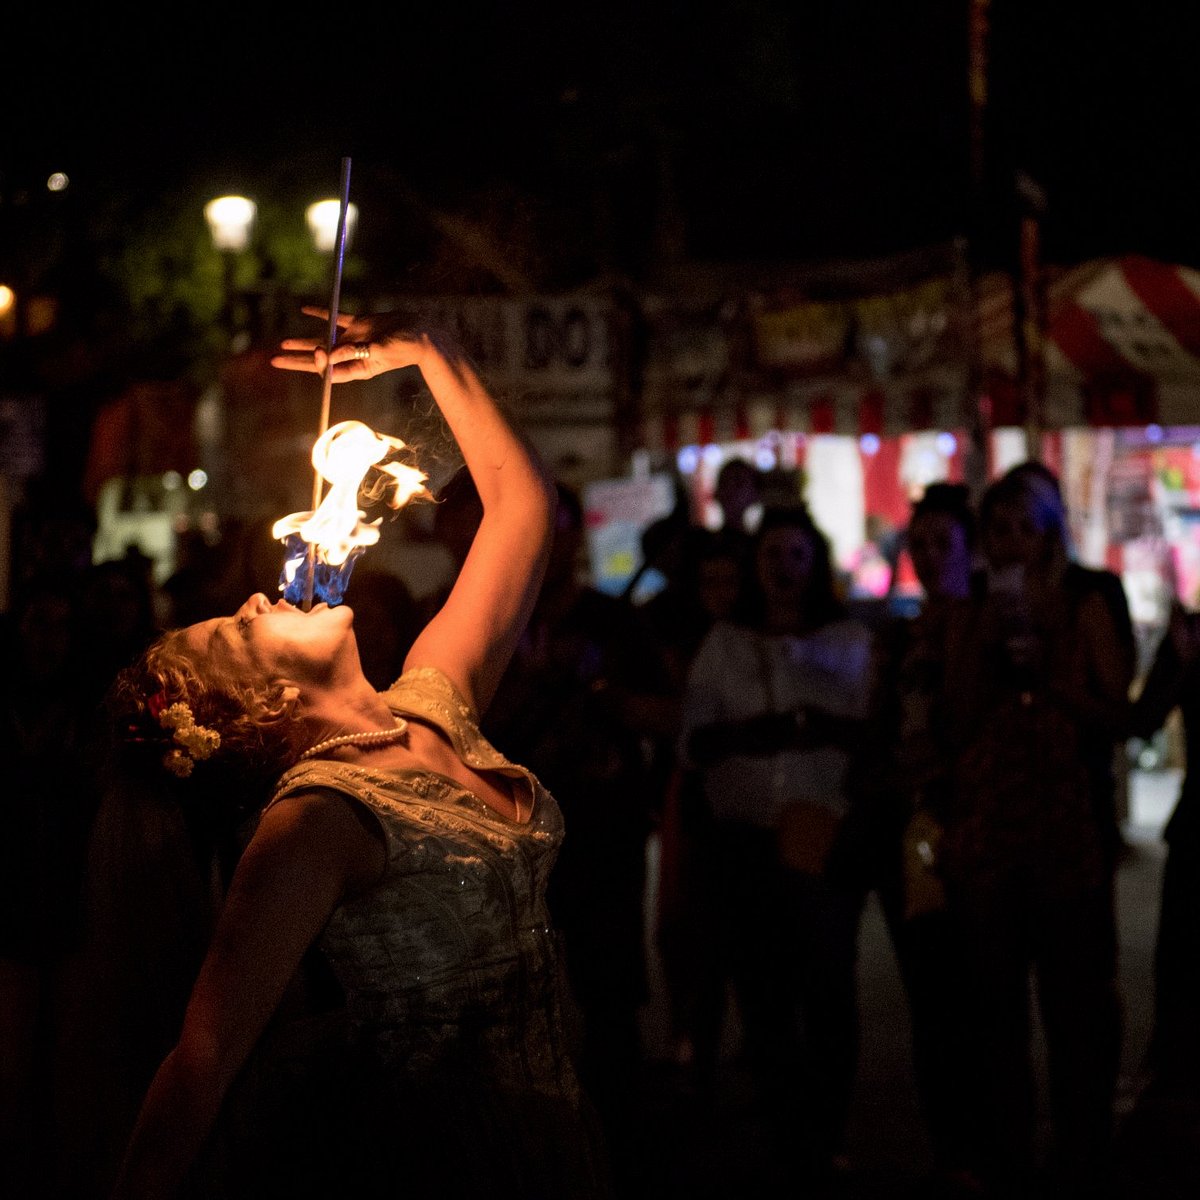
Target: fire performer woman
{"points": [[400, 847]]}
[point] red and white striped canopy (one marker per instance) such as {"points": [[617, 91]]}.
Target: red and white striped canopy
{"points": [[1124, 337]]}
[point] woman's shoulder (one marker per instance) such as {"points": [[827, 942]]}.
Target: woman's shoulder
{"points": [[319, 829], [427, 690], [428, 694]]}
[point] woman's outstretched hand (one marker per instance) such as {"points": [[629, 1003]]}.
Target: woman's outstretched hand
{"points": [[366, 347]]}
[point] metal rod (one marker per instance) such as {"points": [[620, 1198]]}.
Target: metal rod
{"points": [[327, 377]]}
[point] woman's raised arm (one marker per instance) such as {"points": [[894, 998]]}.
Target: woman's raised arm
{"points": [[474, 635]]}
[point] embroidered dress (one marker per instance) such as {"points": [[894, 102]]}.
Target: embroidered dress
{"points": [[446, 1066]]}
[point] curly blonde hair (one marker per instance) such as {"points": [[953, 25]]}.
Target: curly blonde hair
{"points": [[255, 721]]}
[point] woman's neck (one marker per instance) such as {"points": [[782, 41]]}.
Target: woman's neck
{"points": [[348, 709]]}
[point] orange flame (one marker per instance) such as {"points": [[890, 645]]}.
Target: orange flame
{"points": [[344, 456]]}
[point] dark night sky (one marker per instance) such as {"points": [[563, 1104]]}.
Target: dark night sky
{"points": [[795, 130]]}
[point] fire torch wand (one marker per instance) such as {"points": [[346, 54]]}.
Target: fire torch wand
{"points": [[327, 378]]}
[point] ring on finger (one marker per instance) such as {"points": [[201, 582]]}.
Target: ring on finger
{"points": [[362, 350]]}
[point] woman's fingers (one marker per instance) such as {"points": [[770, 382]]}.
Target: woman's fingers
{"points": [[344, 320], [366, 347], [309, 354], [347, 364], [312, 362], [307, 346]]}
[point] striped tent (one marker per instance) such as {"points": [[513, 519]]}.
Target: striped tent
{"points": [[1126, 341], [1121, 345]]}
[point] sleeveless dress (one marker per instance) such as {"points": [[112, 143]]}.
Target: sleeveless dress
{"points": [[445, 1065]]}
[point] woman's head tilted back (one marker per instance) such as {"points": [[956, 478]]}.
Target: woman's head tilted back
{"points": [[185, 706]]}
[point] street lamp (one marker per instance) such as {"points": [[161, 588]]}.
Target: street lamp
{"points": [[8, 311], [230, 219], [323, 217]]}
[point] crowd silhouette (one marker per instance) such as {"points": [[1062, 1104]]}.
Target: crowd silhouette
{"points": [[787, 756]]}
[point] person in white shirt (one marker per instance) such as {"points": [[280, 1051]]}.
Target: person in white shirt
{"points": [[771, 714]]}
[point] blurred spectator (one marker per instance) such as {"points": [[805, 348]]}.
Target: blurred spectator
{"points": [[739, 492], [903, 789], [1105, 754], [1035, 675], [674, 616], [1158, 1139], [1174, 682], [772, 709], [720, 579], [711, 586]]}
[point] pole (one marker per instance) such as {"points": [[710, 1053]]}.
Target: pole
{"points": [[339, 255], [979, 424], [1029, 314]]}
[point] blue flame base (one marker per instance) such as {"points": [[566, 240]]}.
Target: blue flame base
{"points": [[329, 583]]}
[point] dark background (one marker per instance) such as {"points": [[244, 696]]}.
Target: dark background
{"points": [[742, 130], [535, 147]]}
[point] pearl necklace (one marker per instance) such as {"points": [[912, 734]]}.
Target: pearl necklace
{"points": [[372, 737]]}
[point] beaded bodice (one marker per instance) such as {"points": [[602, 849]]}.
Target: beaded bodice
{"points": [[452, 951]]}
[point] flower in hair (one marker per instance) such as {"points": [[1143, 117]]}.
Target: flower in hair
{"points": [[179, 763], [175, 716], [193, 742]]}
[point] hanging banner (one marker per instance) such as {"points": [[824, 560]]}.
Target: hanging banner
{"points": [[805, 339], [881, 336], [538, 344]]}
